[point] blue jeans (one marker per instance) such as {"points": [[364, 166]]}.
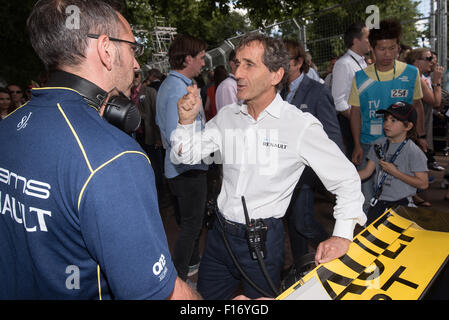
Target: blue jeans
{"points": [[302, 225], [219, 278]]}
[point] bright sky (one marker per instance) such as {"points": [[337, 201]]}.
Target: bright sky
{"points": [[424, 8]]}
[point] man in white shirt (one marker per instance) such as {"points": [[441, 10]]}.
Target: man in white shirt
{"points": [[356, 40], [226, 92], [265, 145]]}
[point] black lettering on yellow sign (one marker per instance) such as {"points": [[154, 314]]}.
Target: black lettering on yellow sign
{"points": [[359, 289], [376, 272], [393, 255], [377, 242], [365, 248], [352, 288], [383, 220], [395, 278], [326, 276], [352, 264], [405, 238]]}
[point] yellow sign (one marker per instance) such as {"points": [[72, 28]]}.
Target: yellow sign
{"points": [[393, 258]]}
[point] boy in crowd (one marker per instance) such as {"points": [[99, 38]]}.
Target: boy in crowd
{"points": [[400, 165]]}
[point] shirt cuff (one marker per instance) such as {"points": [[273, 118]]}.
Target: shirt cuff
{"points": [[344, 228], [340, 107], [179, 138]]}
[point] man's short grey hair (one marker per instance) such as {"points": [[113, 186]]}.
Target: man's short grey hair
{"points": [[275, 53], [56, 41]]}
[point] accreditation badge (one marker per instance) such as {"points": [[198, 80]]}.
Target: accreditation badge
{"points": [[376, 129]]}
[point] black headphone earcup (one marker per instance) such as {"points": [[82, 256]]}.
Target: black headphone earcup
{"points": [[122, 113]]}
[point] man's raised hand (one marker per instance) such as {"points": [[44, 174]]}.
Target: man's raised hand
{"points": [[189, 105]]}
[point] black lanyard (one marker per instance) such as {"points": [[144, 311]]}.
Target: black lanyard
{"points": [[356, 61], [378, 190]]}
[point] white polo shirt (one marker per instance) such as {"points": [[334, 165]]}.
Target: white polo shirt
{"points": [[342, 75], [263, 160]]}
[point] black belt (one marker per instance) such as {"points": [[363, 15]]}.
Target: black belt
{"points": [[238, 229]]}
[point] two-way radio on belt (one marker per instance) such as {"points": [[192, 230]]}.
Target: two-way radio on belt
{"points": [[255, 233]]}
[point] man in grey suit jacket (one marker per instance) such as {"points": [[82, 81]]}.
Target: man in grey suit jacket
{"points": [[309, 96]]}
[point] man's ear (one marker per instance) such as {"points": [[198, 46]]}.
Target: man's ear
{"points": [[106, 51], [187, 61], [277, 76]]}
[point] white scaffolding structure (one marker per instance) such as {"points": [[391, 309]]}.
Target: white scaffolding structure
{"points": [[161, 38]]}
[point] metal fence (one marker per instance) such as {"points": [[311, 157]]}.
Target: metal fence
{"points": [[322, 33], [439, 31], [219, 56]]}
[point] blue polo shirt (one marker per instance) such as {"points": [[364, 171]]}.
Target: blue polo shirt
{"points": [[173, 88], [79, 217]]}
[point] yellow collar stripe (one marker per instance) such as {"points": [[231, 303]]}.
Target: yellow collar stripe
{"points": [[76, 137]]}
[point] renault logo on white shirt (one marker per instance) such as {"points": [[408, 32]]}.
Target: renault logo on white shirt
{"points": [[24, 122], [268, 143]]}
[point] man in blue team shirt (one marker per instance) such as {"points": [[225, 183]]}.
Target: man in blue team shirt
{"points": [[79, 215], [188, 183]]}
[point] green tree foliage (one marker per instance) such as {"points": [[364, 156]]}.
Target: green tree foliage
{"points": [[210, 20]]}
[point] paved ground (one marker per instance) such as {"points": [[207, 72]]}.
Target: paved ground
{"points": [[323, 208]]}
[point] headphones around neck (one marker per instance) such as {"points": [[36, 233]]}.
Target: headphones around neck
{"points": [[120, 111]]}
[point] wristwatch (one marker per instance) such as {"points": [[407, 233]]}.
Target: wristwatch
{"points": [[436, 84]]}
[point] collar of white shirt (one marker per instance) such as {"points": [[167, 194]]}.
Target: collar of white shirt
{"points": [[357, 57], [273, 109]]}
